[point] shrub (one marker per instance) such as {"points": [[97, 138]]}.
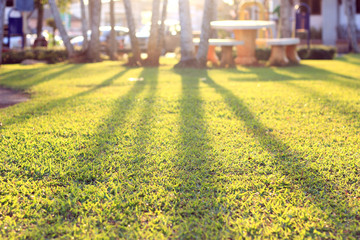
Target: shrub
{"points": [[262, 54], [41, 54], [321, 52], [318, 52]]}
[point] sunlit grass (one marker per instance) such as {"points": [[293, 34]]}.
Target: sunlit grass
{"points": [[220, 153]]}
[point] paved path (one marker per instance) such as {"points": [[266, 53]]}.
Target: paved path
{"points": [[10, 97]]}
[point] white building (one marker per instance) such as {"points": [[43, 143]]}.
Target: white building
{"points": [[332, 21], [328, 17]]}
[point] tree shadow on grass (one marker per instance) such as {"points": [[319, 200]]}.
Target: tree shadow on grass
{"points": [[43, 108], [194, 211], [202, 216], [94, 166], [351, 113], [27, 78], [120, 160], [29, 72], [317, 73], [284, 75], [350, 58], [302, 72], [101, 164], [136, 171], [325, 194]]}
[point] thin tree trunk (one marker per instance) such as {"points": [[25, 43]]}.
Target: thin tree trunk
{"points": [[93, 51], [39, 25], [135, 59], [350, 11], [40, 18], [286, 10], [208, 13], [213, 33], [153, 57], [161, 36], [60, 26], [112, 40], [90, 6], [84, 26], [186, 39], [53, 37], [2, 14], [236, 9]]}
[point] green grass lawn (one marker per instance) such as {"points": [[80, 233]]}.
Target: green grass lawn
{"points": [[194, 154]]}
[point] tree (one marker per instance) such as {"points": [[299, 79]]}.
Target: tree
{"points": [[208, 16], [112, 39], [161, 36], [350, 11], [2, 14], [152, 48], [40, 17], [157, 34], [186, 39], [230, 9], [51, 23], [286, 10], [93, 51], [90, 6], [84, 26], [60, 26], [135, 60]]}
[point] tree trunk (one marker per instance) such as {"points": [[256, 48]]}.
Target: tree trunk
{"points": [[60, 26], [236, 9], [135, 59], [350, 11], [153, 57], [53, 38], [39, 25], [161, 37], [186, 39], [208, 13], [90, 6], [2, 14], [40, 18], [213, 33], [93, 51], [112, 38], [84, 26], [286, 10]]}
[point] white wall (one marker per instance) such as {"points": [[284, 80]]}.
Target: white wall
{"points": [[343, 18], [316, 21], [330, 18]]}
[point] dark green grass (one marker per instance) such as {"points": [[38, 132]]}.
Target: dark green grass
{"points": [[206, 154]]}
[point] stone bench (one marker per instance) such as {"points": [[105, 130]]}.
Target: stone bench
{"points": [[226, 50], [283, 50]]}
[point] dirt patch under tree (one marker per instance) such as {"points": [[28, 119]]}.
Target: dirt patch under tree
{"points": [[10, 97]]}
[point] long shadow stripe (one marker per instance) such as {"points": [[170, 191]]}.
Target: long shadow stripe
{"points": [[41, 109], [199, 213], [326, 194]]}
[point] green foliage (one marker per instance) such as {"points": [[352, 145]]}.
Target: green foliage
{"points": [[51, 23], [62, 4], [262, 53], [38, 2], [42, 54], [106, 152], [316, 52]]}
